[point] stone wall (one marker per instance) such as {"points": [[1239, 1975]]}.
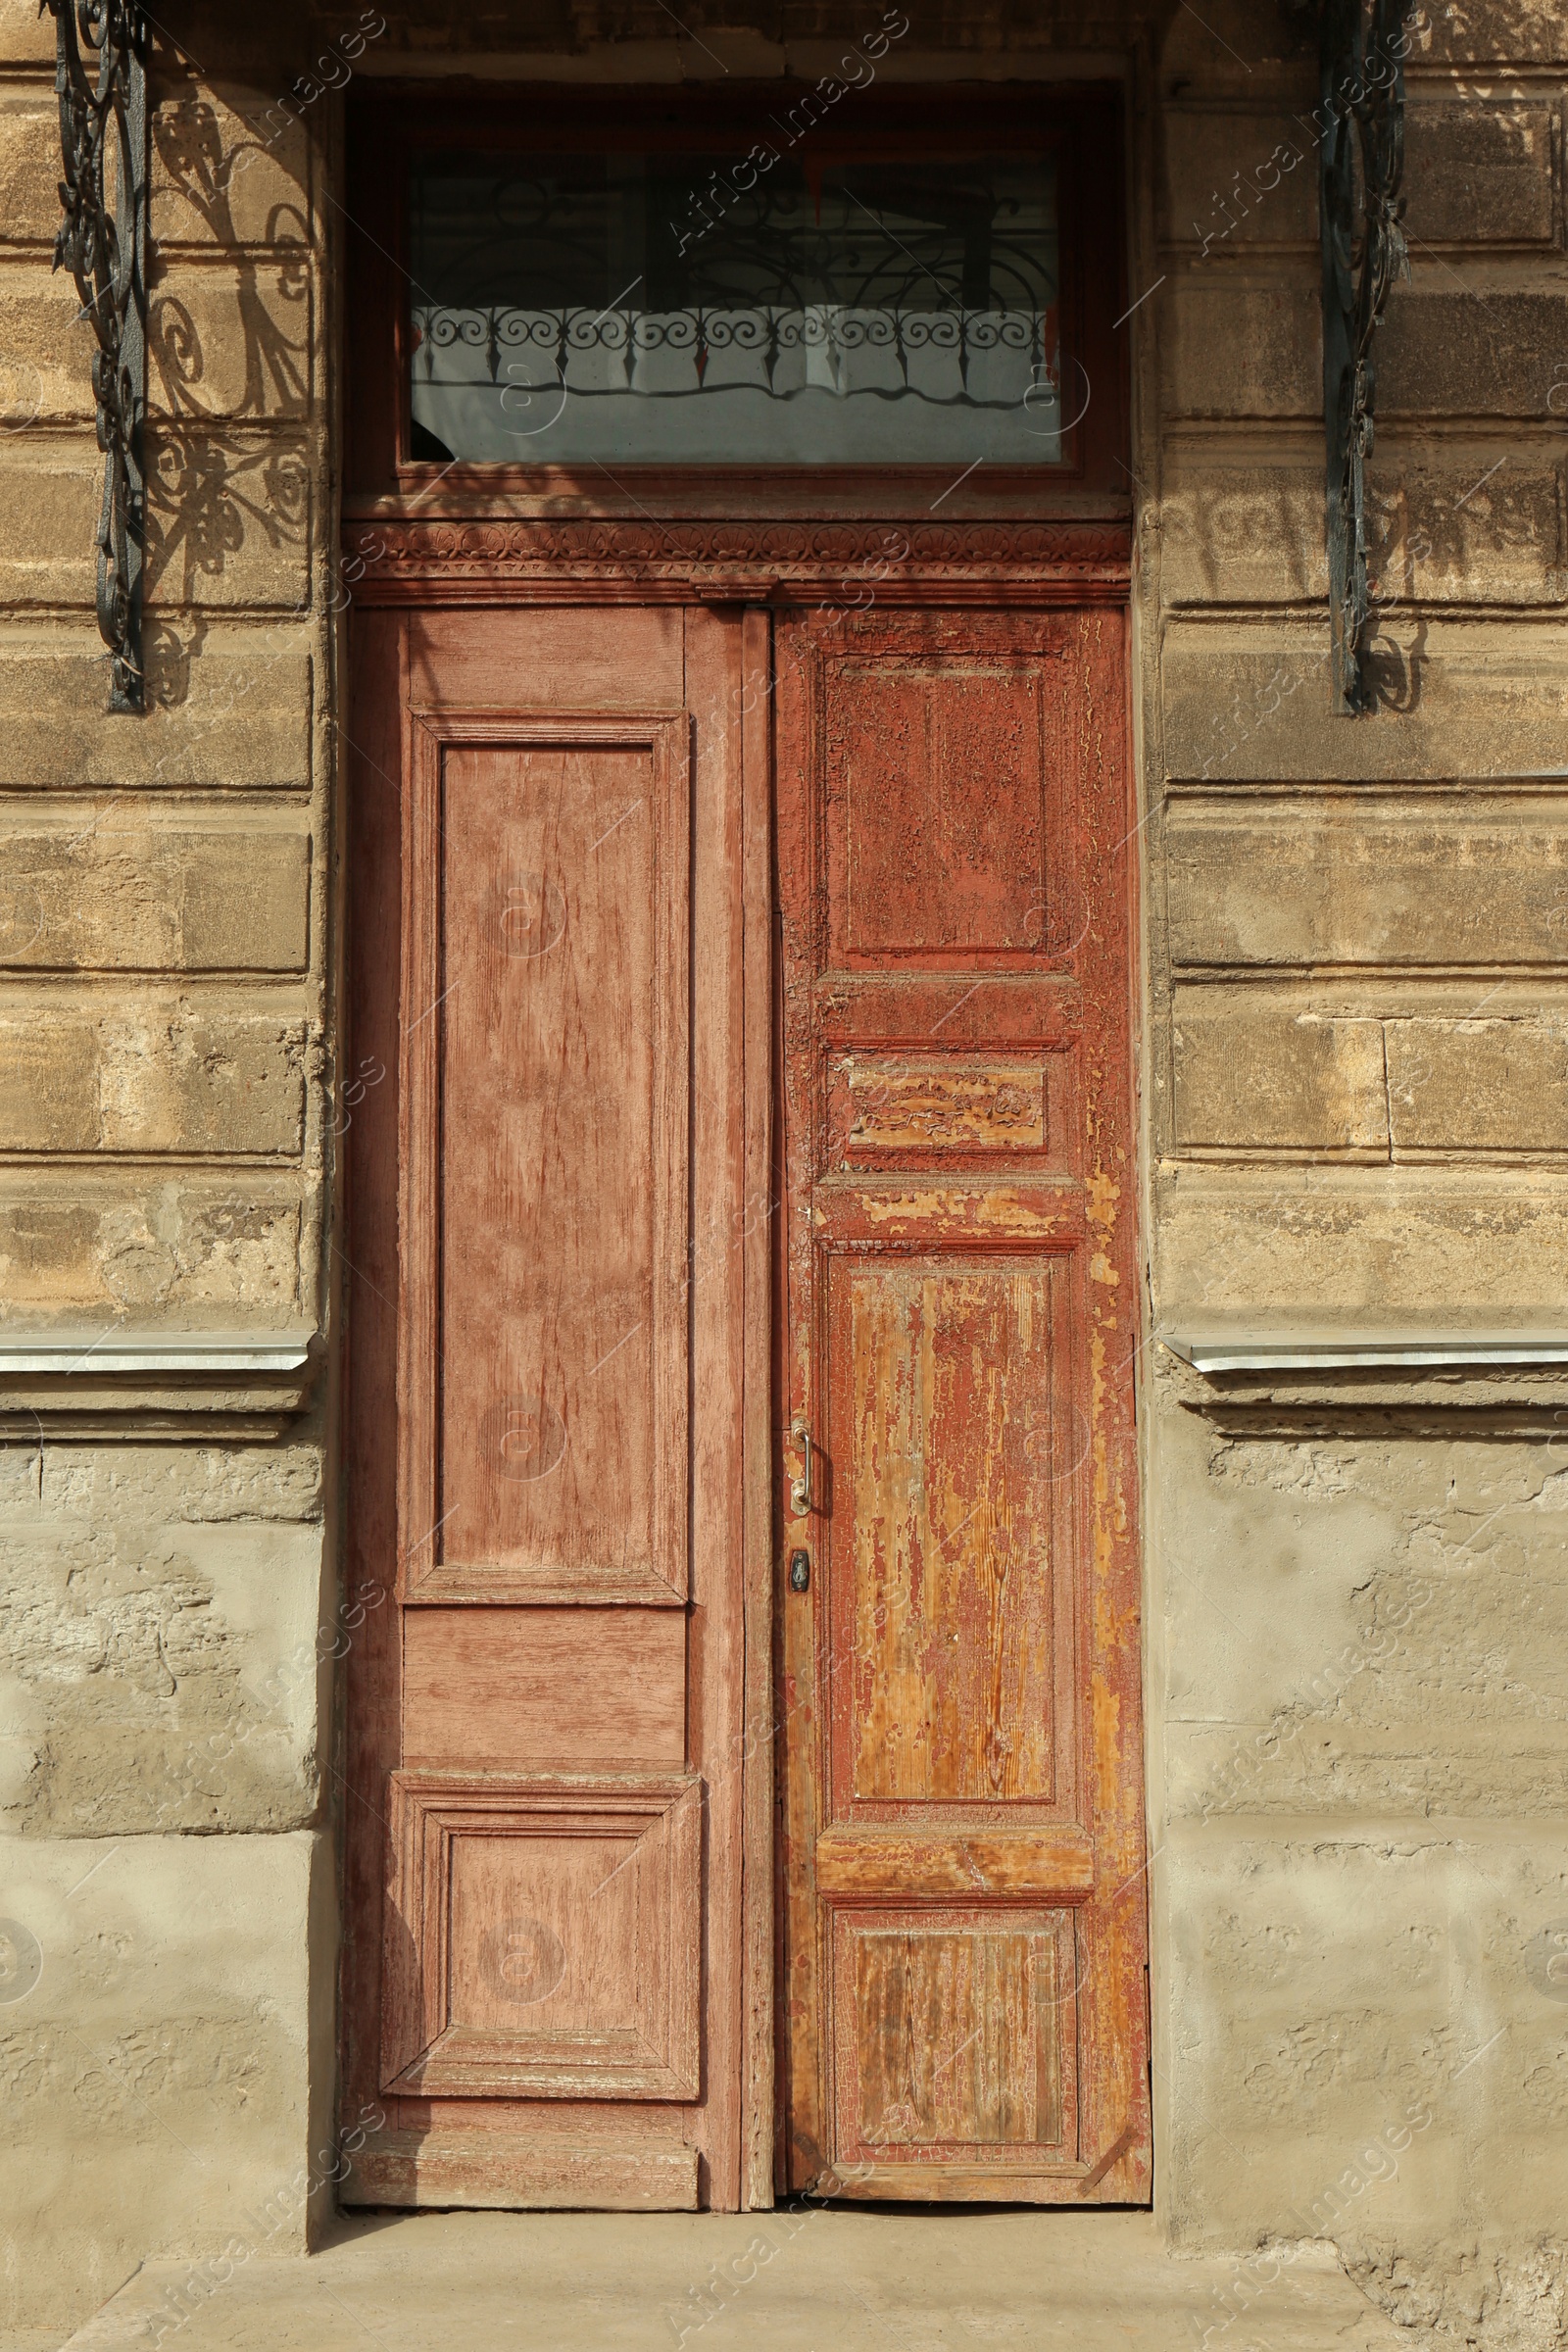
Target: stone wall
{"points": [[1356, 1069], [1354, 1079], [164, 917]]}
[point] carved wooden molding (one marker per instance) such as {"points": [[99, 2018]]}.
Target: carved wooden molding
{"points": [[587, 1982], [401, 560]]}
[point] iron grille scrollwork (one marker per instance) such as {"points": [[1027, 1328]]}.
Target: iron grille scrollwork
{"points": [[768, 335], [1363, 45], [101, 80]]}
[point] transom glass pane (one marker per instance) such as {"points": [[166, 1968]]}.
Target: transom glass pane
{"points": [[780, 310]]}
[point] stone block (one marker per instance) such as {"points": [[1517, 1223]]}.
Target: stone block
{"points": [[158, 2079], [1483, 528], [46, 349], [1445, 353], [1503, 32], [1235, 535], [1367, 879], [1479, 174], [231, 342], [1235, 45], [49, 521], [230, 166], [268, 51], [1237, 346], [228, 707], [25, 39], [1465, 700], [161, 1678], [1367, 1240], [113, 891], [154, 1073], [146, 1484], [1474, 175], [86, 1247], [1466, 531], [1234, 180], [1253, 1075], [29, 167], [1479, 1085], [230, 517]]}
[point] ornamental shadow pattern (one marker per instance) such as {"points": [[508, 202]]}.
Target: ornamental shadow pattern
{"points": [[225, 467]]}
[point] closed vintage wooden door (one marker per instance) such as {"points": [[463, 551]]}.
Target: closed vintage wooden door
{"points": [[964, 1996], [551, 1273]]}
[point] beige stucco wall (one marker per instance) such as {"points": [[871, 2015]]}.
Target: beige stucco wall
{"points": [[1356, 1088]]}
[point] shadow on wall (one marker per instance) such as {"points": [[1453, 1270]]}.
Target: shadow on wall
{"points": [[216, 484]]}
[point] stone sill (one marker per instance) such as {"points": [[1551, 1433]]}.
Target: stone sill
{"points": [[1248, 1347], [130, 1383], [1251, 1371]]}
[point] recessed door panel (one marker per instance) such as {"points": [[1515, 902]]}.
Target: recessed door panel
{"points": [[944, 1552]]}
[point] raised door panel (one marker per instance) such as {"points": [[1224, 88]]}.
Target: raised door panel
{"points": [[547, 1372], [543, 1937], [936, 773], [963, 1934]]}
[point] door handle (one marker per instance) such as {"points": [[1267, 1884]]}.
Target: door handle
{"points": [[801, 1488]]}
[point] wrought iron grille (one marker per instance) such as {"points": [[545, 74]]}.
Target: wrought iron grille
{"points": [[766, 337], [101, 80], [1362, 110]]}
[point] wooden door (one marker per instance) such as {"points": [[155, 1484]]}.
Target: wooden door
{"points": [[558, 1412], [963, 1989]]}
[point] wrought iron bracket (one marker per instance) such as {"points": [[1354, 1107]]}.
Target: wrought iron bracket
{"points": [[101, 81], [1362, 116]]}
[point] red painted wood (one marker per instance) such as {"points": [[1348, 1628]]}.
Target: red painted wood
{"points": [[545, 1968], [954, 832]]}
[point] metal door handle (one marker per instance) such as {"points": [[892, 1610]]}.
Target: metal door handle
{"points": [[801, 1488]]}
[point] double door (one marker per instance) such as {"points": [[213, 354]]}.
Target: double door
{"points": [[743, 1785]]}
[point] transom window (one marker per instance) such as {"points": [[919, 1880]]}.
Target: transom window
{"points": [[784, 306]]}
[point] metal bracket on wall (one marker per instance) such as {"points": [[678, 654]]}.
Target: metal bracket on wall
{"points": [[101, 80], [1362, 112]]}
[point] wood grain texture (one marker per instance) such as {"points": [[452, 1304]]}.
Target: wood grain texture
{"points": [[955, 888], [759, 2043], [546, 1367], [716, 1305], [505, 2170], [956, 2037], [940, 1385], [367, 1258], [920, 863], [546, 1729], [544, 1937], [955, 2048], [882, 1105], [485, 1686], [881, 1862]]}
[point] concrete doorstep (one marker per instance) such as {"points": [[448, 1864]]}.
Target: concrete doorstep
{"points": [[807, 2280]]}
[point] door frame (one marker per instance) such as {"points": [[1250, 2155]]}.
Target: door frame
{"points": [[422, 537]]}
